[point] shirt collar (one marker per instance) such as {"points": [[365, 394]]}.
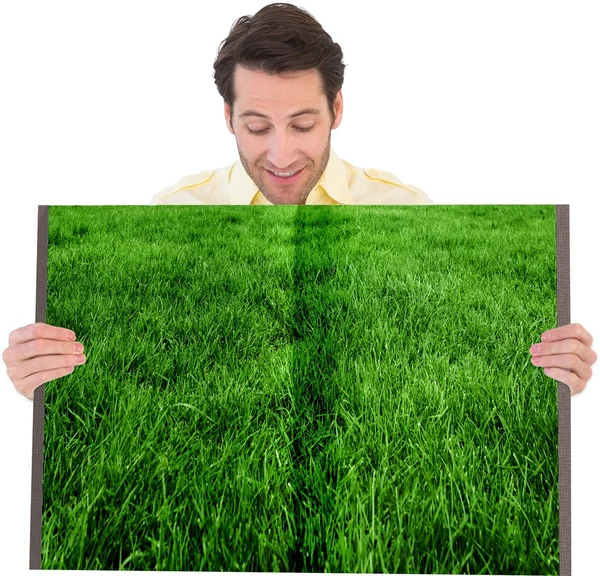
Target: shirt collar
{"points": [[242, 189]]}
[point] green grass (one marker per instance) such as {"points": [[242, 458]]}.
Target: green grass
{"points": [[318, 389]]}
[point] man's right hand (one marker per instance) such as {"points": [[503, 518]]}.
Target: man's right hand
{"points": [[38, 353]]}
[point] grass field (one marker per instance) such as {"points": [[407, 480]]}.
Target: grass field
{"points": [[316, 389]]}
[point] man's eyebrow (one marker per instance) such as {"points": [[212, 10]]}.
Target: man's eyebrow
{"points": [[294, 115]]}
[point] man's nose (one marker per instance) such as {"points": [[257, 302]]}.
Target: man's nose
{"points": [[281, 153]]}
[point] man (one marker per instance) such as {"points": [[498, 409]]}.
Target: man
{"points": [[280, 75]]}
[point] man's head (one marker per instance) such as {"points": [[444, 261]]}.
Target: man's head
{"points": [[280, 75]]}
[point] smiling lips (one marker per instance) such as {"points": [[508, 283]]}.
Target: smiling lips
{"points": [[284, 174]]}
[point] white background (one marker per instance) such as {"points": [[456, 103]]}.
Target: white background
{"points": [[109, 102]]}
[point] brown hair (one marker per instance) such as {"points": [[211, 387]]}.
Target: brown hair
{"points": [[279, 38]]}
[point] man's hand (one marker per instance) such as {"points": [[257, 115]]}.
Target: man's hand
{"points": [[38, 353], [566, 355]]}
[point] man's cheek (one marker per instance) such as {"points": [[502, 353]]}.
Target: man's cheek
{"points": [[251, 151]]}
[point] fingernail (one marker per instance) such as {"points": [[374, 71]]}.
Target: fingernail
{"points": [[72, 336], [78, 347], [545, 336], [537, 360], [535, 349], [80, 359]]}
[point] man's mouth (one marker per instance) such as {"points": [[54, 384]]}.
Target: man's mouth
{"points": [[284, 176]]}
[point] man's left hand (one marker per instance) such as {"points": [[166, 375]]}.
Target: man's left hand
{"points": [[566, 355]]}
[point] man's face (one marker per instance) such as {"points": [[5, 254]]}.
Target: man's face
{"points": [[282, 125]]}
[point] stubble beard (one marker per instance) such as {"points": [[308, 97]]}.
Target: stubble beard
{"points": [[257, 173]]}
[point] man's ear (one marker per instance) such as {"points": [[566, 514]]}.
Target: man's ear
{"points": [[338, 108], [228, 111]]}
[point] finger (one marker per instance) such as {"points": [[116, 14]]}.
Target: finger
{"points": [[40, 347], [37, 331], [575, 383], [570, 362], [576, 331], [29, 384], [24, 369], [568, 346]]}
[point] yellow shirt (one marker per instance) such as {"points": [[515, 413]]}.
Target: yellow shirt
{"points": [[340, 183]]}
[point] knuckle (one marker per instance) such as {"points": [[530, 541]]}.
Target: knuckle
{"points": [[21, 387], [59, 373], [37, 380], [45, 363], [563, 376], [26, 349], [39, 330], [37, 347], [14, 334], [36, 331]]}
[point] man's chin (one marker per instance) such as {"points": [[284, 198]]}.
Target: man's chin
{"points": [[285, 199], [285, 195]]}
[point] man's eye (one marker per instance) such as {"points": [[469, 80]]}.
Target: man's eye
{"points": [[257, 131], [297, 128]]}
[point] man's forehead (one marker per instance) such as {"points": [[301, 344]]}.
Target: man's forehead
{"points": [[297, 90], [256, 114]]}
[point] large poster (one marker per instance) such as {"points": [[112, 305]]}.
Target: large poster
{"points": [[301, 389]]}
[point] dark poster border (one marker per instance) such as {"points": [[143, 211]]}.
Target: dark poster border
{"points": [[563, 308]]}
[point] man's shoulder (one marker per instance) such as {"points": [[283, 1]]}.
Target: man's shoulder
{"points": [[206, 187], [376, 186]]}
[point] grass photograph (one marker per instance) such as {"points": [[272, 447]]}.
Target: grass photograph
{"points": [[319, 389]]}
